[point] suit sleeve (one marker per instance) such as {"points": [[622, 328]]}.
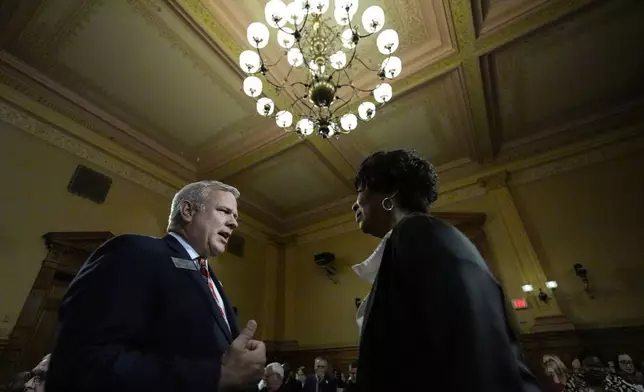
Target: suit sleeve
{"points": [[104, 324]]}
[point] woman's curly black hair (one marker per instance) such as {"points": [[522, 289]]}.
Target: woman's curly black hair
{"points": [[402, 171]]}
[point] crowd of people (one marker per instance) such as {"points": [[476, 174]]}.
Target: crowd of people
{"points": [[282, 378], [593, 375]]}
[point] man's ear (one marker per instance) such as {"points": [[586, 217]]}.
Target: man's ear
{"points": [[187, 210]]}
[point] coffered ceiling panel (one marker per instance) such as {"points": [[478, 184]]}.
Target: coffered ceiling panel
{"points": [[124, 56], [433, 119], [570, 71], [294, 181]]}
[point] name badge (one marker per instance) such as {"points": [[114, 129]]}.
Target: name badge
{"points": [[184, 264]]}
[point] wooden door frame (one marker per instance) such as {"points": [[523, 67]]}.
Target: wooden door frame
{"points": [[66, 253]]}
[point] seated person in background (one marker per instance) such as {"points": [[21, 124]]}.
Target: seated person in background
{"points": [[17, 384], [627, 370], [300, 376], [594, 377], [351, 380], [38, 376], [273, 378], [320, 381]]}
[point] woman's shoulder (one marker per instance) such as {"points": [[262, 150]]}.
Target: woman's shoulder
{"points": [[418, 221]]}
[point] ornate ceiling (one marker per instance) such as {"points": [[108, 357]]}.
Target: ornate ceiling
{"points": [[484, 82]]}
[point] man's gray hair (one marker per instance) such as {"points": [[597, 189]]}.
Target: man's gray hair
{"points": [[196, 193], [276, 368]]}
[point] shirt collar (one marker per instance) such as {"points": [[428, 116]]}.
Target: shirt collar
{"points": [[368, 269], [191, 251]]}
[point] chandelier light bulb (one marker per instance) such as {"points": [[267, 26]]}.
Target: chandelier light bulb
{"points": [[349, 122], [253, 86], [352, 5], [306, 5], [295, 12], [387, 41], [347, 39], [257, 35], [265, 106], [392, 66], [249, 61], [304, 126], [382, 93], [295, 57], [373, 19], [284, 119], [276, 13], [343, 18], [366, 110], [285, 37], [319, 7], [338, 60]]}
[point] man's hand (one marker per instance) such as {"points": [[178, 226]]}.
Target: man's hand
{"points": [[244, 361]]}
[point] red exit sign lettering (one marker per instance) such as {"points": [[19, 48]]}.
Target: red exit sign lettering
{"points": [[520, 303]]}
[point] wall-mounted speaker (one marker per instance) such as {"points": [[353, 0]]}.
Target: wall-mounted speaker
{"points": [[89, 184]]}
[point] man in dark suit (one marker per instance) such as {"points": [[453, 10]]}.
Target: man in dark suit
{"points": [[148, 314], [320, 381]]}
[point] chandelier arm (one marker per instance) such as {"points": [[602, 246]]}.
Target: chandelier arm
{"points": [[306, 16], [365, 65], [306, 62], [346, 102]]}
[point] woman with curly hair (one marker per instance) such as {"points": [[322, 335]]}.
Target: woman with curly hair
{"points": [[434, 307]]}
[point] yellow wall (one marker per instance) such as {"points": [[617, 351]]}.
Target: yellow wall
{"points": [[319, 312], [249, 283], [34, 200], [592, 215]]}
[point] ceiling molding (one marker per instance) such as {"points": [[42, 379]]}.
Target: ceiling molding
{"points": [[550, 12], [113, 160], [92, 138], [34, 78]]}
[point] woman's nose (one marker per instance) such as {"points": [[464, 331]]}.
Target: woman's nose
{"points": [[354, 207]]}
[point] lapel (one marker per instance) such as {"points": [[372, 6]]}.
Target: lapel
{"points": [[200, 284]]}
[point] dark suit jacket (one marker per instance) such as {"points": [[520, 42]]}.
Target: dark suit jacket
{"points": [[435, 319], [132, 320], [327, 385]]}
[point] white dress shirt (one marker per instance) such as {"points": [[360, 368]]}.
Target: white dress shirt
{"points": [[195, 259], [368, 270]]}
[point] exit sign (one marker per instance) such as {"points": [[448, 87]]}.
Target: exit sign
{"points": [[520, 303]]}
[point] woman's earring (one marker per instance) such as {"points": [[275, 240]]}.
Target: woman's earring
{"points": [[387, 204]]}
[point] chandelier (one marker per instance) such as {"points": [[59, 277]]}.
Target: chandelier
{"points": [[320, 52]]}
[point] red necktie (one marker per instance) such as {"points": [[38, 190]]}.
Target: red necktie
{"points": [[203, 267]]}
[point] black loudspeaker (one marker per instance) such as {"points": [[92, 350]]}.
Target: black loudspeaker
{"points": [[89, 184], [324, 258]]}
